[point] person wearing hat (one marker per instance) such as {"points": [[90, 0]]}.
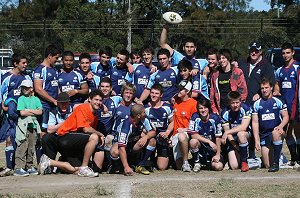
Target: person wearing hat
{"points": [[256, 68], [56, 118], [184, 107], [27, 129]]}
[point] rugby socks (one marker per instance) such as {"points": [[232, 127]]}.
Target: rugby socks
{"points": [[38, 153], [9, 154], [277, 146], [195, 154], [149, 151], [291, 143], [244, 151]]}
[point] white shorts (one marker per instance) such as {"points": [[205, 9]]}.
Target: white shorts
{"points": [[176, 148]]}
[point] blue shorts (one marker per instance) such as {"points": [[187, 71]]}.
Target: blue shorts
{"points": [[45, 119], [230, 147], [207, 153], [266, 140]]}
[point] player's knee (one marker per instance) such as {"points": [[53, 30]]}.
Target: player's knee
{"points": [[114, 152], [242, 137], [217, 166], [182, 137], [152, 142], [94, 138], [194, 143]]}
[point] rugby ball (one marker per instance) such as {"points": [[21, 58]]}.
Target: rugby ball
{"points": [[172, 17]]}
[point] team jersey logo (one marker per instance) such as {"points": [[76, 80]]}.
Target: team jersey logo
{"points": [[268, 116]]}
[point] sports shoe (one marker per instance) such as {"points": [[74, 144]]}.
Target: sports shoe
{"points": [[21, 172], [44, 164], [197, 167], [274, 168], [6, 172], [32, 171], [142, 169], [85, 171], [296, 165], [244, 167], [186, 167]]}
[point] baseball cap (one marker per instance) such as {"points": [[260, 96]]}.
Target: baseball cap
{"points": [[63, 97], [26, 83], [255, 45], [185, 84]]}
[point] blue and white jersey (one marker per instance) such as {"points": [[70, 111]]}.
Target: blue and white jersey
{"points": [[11, 85], [200, 86], [71, 81], [139, 78], [1, 87], [57, 117], [159, 117], [50, 82], [122, 112], [287, 78], [209, 129], [129, 132], [234, 118], [268, 112], [118, 78], [199, 64], [168, 79], [106, 120], [101, 70], [93, 83]]}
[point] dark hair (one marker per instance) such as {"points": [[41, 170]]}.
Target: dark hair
{"points": [[205, 103], [147, 48], [163, 51], [106, 50], [135, 51], [125, 53], [85, 55], [51, 50], [67, 53], [266, 81], [189, 40], [185, 64], [233, 95], [212, 51], [16, 58], [287, 46], [96, 92], [226, 53], [106, 80], [158, 87]]}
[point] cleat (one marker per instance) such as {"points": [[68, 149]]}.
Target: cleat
{"points": [[244, 167], [274, 168], [86, 171], [32, 171], [197, 167], [186, 167], [44, 164], [21, 172], [6, 172], [142, 170]]}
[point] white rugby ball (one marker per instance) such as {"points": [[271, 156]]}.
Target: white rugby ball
{"points": [[172, 17]]}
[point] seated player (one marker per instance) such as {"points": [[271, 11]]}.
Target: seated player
{"points": [[160, 115], [134, 135], [269, 117], [205, 129], [235, 121]]}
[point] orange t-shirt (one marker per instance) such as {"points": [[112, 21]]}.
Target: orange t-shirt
{"points": [[81, 117], [183, 111]]}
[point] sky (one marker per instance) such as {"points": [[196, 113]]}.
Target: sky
{"points": [[260, 5]]}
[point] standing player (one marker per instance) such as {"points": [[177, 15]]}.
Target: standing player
{"points": [[167, 76], [205, 129], [160, 115], [104, 67], [71, 81], [235, 121], [135, 56], [212, 58], [134, 134], [269, 117], [189, 48], [226, 79], [286, 77], [10, 92]]}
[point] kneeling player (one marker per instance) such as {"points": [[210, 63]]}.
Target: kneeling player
{"points": [[235, 121], [205, 129], [134, 134], [269, 117]]}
